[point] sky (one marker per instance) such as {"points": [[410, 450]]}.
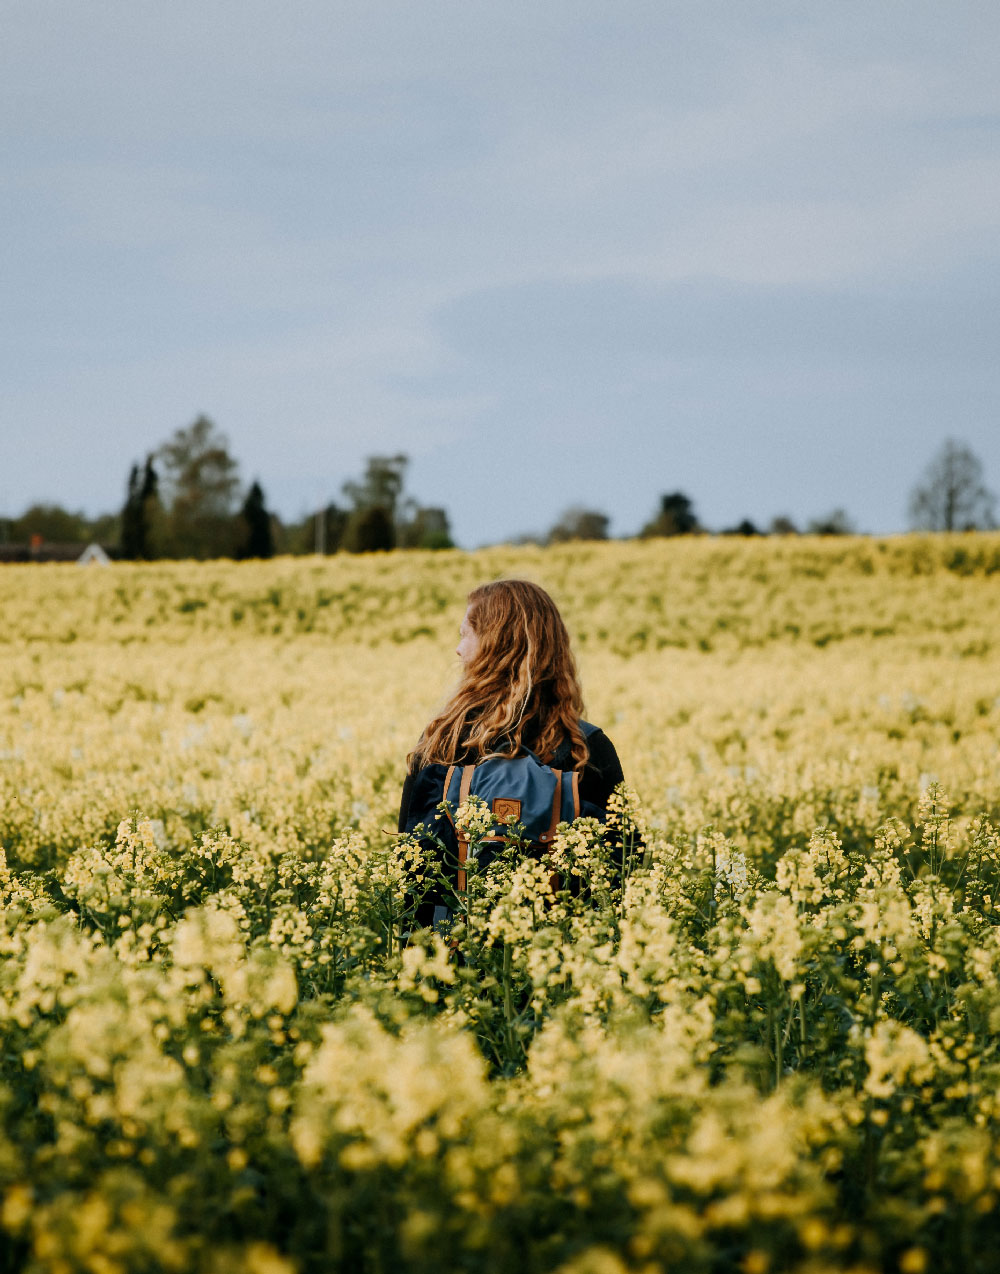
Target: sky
{"points": [[559, 254]]}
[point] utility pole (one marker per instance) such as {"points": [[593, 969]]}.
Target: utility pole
{"points": [[321, 532]]}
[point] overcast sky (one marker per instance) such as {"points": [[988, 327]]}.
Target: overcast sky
{"points": [[558, 253]]}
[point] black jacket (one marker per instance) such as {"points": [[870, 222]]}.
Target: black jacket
{"points": [[423, 791]]}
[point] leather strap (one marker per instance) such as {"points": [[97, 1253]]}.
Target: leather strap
{"points": [[548, 836], [463, 841], [557, 810]]}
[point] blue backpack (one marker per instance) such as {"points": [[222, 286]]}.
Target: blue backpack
{"points": [[521, 790]]}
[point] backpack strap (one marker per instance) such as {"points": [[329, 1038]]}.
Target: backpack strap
{"points": [[548, 836], [463, 795]]}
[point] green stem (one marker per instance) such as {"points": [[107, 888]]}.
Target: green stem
{"points": [[508, 1006]]}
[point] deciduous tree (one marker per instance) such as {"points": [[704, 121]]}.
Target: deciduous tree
{"points": [[952, 495], [52, 523], [578, 523], [836, 522], [372, 523], [201, 485], [424, 527], [382, 519], [370, 530]]}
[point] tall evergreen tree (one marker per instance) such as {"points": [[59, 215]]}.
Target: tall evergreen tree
{"points": [[140, 514], [257, 536], [676, 516], [131, 537]]}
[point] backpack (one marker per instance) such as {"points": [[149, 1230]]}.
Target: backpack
{"points": [[521, 789]]}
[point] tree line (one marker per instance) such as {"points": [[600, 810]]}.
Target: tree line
{"points": [[183, 502], [186, 500], [951, 496]]}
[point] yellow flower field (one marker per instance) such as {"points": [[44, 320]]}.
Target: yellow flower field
{"points": [[765, 1041]]}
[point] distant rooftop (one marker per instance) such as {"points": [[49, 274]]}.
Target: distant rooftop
{"points": [[43, 551]]}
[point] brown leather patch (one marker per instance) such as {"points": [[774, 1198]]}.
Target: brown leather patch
{"points": [[505, 810]]}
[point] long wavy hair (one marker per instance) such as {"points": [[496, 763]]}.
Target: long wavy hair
{"points": [[523, 671]]}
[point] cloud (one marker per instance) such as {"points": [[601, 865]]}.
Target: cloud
{"points": [[598, 324], [662, 244]]}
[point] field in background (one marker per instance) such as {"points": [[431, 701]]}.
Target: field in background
{"points": [[774, 1052]]}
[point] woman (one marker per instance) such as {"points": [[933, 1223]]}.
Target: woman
{"points": [[519, 690]]}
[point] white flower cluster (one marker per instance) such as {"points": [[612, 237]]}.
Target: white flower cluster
{"points": [[731, 869]]}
